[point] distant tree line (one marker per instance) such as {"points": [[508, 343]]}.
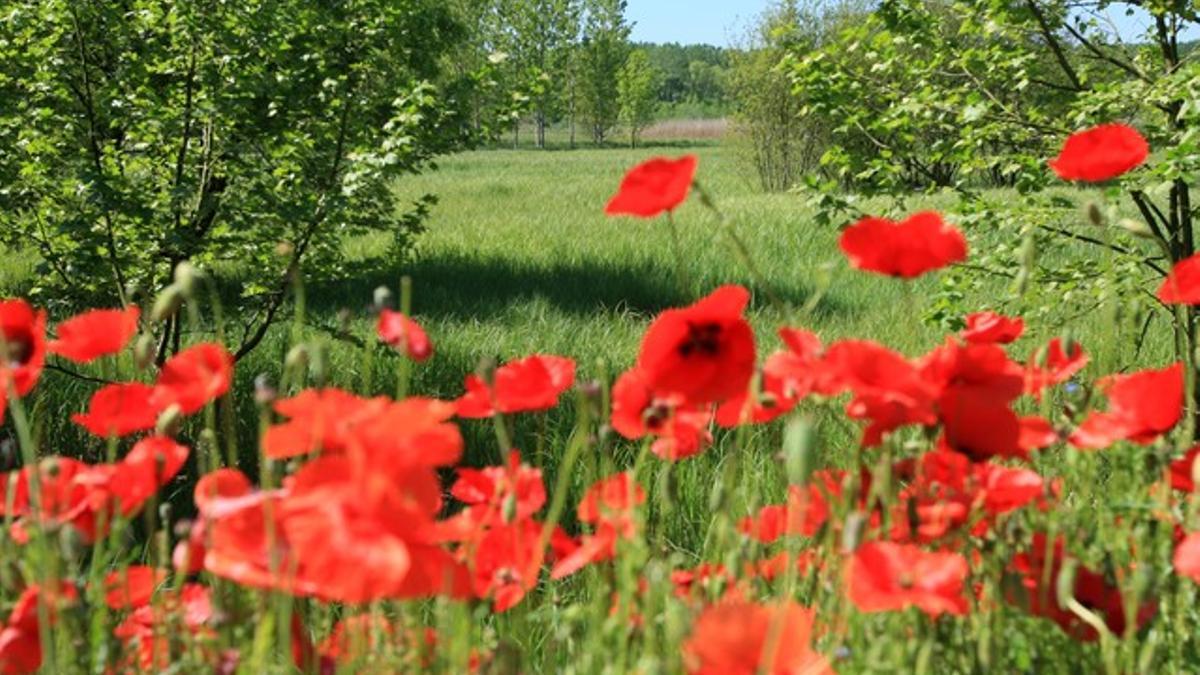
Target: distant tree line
{"points": [[571, 63]]}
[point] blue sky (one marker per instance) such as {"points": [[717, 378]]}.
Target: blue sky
{"points": [[721, 22]]}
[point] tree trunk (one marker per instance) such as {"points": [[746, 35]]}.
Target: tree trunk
{"points": [[541, 130]]}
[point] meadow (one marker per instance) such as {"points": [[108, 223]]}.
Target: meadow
{"points": [[518, 258]]}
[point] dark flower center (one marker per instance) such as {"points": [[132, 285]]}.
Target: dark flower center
{"points": [[18, 349], [657, 414], [702, 340]]}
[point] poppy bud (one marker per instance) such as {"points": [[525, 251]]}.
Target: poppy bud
{"points": [[169, 421], [799, 444], [185, 278], [297, 357], [264, 393], [164, 512], [1094, 215], [1136, 227], [1064, 586], [852, 532], [143, 351], [167, 303], [382, 298]]}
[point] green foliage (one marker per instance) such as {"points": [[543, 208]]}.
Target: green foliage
{"points": [[637, 94], [690, 73], [783, 145], [964, 96], [603, 51], [139, 135]]}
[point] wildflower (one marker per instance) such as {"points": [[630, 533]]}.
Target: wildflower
{"points": [[24, 347], [404, 335], [743, 638], [120, 410], [885, 577], [194, 377], [654, 187], [1092, 591], [531, 384], [908, 249], [989, 327], [680, 429], [704, 352], [1141, 407], [96, 333], [1100, 153], [1182, 285]]}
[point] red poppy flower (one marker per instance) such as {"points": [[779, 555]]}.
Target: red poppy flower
{"points": [[71, 493], [507, 562], [1054, 365], [531, 384], [992, 328], [132, 587], [733, 638], [1182, 472], [887, 577], [609, 506], [888, 389], [1182, 285], [321, 420], [496, 496], [1100, 153], [704, 352], [611, 499], [654, 187], [404, 335], [1187, 557], [146, 632], [805, 512], [149, 465], [1092, 590], [20, 639], [704, 575], [680, 430], [96, 333], [353, 527], [1141, 407], [24, 347], [194, 377], [120, 410], [920, 244]]}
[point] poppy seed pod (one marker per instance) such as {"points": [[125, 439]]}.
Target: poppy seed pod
{"points": [[169, 421], [167, 303], [1136, 227], [186, 275], [382, 298], [143, 351]]}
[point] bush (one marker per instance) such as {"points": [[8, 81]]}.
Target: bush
{"points": [[138, 136]]}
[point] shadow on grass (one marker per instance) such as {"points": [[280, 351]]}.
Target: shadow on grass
{"points": [[459, 286]]}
